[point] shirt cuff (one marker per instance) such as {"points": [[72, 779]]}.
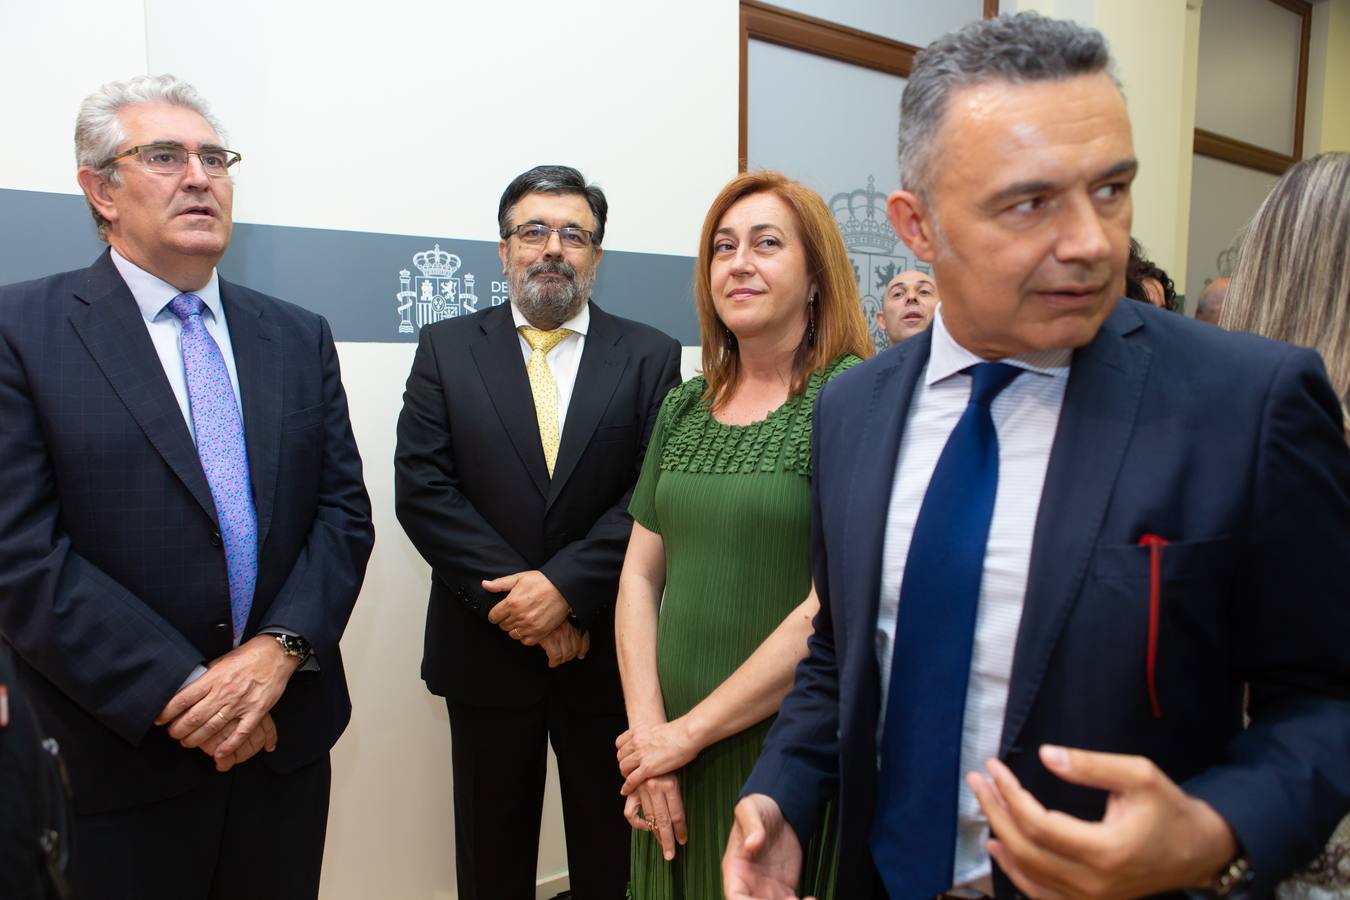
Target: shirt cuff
{"points": [[196, 673]]}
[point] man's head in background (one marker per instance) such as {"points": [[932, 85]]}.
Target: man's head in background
{"points": [[908, 305]]}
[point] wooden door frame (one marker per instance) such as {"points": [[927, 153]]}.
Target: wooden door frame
{"points": [[798, 31], [1242, 153]]}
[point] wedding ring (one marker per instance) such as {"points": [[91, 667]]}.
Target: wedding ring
{"points": [[222, 717], [651, 823]]}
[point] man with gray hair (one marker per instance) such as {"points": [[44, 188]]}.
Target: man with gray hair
{"points": [[183, 526], [1038, 613], [522, 434]]}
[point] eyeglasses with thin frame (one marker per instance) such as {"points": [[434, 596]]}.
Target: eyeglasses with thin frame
{"points": [[535, 234], [172, 159]]}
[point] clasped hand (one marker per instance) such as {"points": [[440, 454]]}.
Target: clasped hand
{"points": [[647, 751], [532, 608], [565, 644], [226, 713], [535, 613], [657, 806]]}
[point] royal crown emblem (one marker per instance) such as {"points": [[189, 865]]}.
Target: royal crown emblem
{"points": [[437, 293], [861, 215]]}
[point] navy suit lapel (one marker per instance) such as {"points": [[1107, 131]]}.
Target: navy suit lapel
{"points": [[603, 362], [897, 373], [258, 363], [1096, 422], [502, 368], [109, 324]]}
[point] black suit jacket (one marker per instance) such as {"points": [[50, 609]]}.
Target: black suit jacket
{"points": [[473, 493], [1228, 446], [112, 573]]}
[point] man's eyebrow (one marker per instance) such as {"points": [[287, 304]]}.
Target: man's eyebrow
{"points": [[927, 281], [170, 142], [1042, 186], [1119, 170], [571, 223]]}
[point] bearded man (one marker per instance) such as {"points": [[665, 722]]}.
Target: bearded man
{"points": [[522, 433]]}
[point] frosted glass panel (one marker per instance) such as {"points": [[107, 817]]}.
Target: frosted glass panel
{"points": [[832, 126], [1224, 197], [1247, 80], [915, 22]]}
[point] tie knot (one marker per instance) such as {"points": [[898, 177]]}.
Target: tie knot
{"points": [[185, 306], [990, 380], [544, 341]]}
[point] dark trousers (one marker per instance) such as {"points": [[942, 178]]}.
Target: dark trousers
{"points": [[499, 760], [248, 833]]}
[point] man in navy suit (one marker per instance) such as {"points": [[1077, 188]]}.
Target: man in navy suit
{"points": [[1166, 521], [183, 525]]}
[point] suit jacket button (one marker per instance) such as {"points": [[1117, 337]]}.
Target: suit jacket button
{"points": [[215, 539], [222, 627]]}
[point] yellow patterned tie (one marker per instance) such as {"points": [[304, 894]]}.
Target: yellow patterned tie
{"points": [[544, 388]]}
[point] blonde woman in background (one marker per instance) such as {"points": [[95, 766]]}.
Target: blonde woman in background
{"points": [[1292, 278], [1292, 283]]}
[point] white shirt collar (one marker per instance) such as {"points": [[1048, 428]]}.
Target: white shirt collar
{"points": [[577, 324], [947, 357], [153, 293]]}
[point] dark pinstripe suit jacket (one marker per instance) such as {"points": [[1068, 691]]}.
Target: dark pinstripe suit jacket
{"points": [[112, 575]]}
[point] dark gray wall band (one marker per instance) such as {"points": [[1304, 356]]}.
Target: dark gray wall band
{"points": [[371, 287]]}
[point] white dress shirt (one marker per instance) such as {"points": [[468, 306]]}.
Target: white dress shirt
{"points": [[1025, 415], [564, 359], [152, 297]]}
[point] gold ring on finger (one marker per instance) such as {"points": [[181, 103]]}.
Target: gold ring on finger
{"points": [[651, 823], [221, 715]]}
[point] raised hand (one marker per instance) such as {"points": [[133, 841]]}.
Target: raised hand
{"points": [[763, 859], [1153, 838]]}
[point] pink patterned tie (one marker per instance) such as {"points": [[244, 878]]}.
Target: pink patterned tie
{"points": [[220, 444]]}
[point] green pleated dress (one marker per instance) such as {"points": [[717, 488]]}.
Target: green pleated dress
{"points": [[733, 507]]}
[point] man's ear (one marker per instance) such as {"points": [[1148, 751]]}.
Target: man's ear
{"points": [[501, 252], [599, 252], [98, 191], [913, 222]]}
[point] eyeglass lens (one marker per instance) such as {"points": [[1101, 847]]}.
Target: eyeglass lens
{"points": [[175, 159]]}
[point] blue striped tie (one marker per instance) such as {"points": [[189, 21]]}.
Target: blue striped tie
{"points": [[913, 834]]}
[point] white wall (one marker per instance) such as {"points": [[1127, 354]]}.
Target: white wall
{"points": [[402, 116]]}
